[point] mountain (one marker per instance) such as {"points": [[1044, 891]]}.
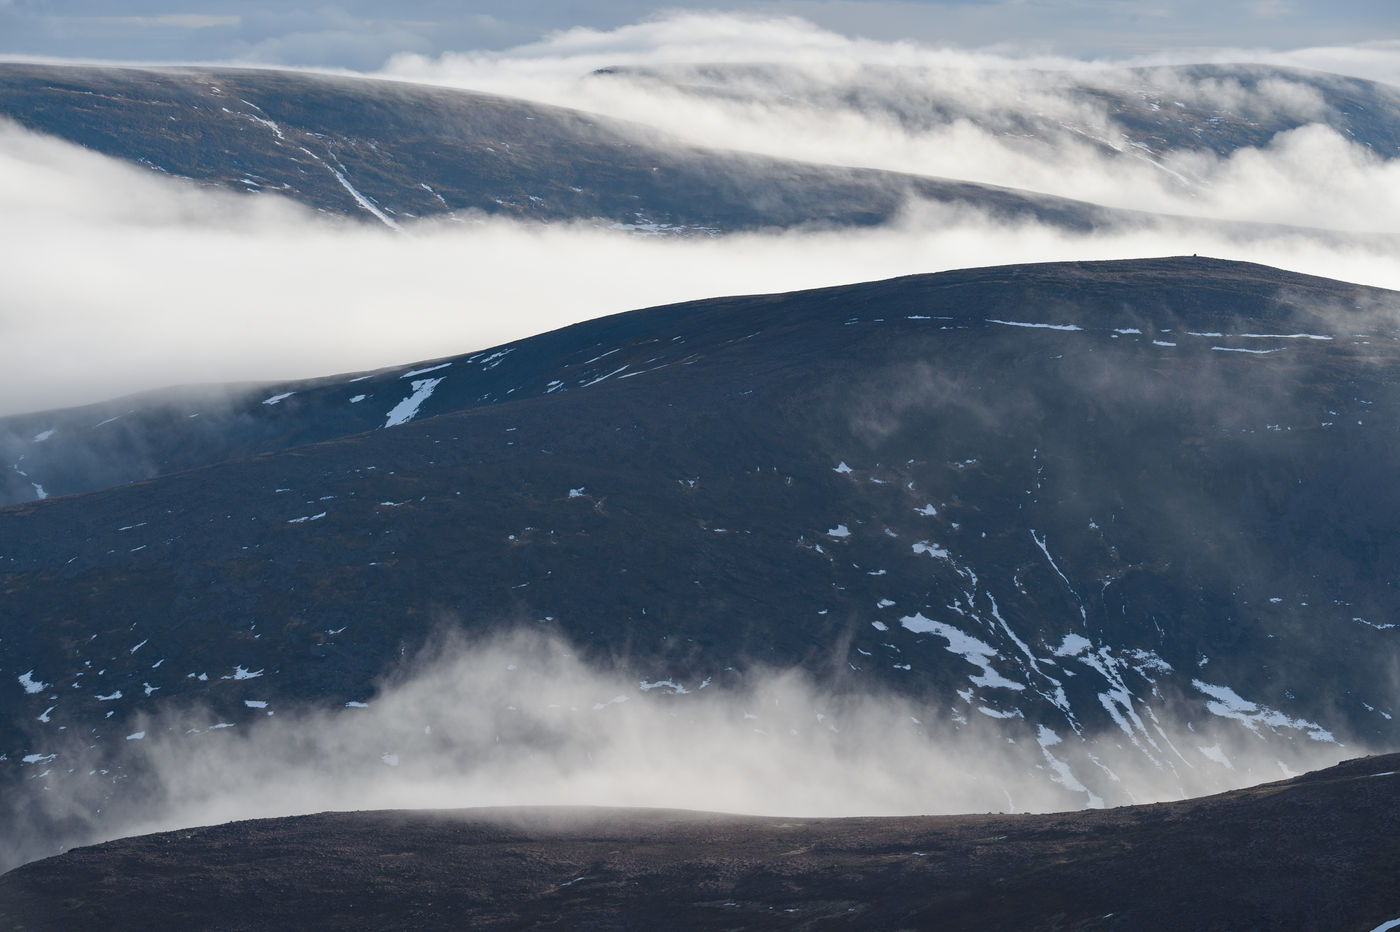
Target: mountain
{"points": [[1135, 518], [1316, 852], [389, 152]]}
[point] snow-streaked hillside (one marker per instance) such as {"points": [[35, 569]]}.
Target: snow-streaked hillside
{"points": [[1102, 532]]}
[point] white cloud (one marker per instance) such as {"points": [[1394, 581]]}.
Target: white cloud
{"points": [[521, 720], [824, 97], [118, 279]]}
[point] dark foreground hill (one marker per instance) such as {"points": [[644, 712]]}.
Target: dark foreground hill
{"points": [[391, 152], [1320, 852]]}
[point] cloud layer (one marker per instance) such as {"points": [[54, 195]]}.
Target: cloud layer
{"points": [[117, 281]]}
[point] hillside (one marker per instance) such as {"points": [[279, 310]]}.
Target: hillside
{"points": [[1317, 852], [390, 152], [1134, 516]]}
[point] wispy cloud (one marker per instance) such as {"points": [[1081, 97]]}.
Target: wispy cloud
{"points": [[520, 719], [120, 281]]}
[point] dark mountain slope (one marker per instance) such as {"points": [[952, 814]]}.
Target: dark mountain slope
{"points": [[1317, 852], [388, 151], [1098, 502]]}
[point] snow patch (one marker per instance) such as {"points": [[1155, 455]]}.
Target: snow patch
{"points": [[1018, 323], [412, 372], [1059, 770], [406, 410], [1226, 703], [674, 688], [1215, 753], [1285, 336], [975, 652], [1073, 645]]}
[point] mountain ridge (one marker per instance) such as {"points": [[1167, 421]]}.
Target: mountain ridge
{"points": [[389, 151], [1228, 861]]}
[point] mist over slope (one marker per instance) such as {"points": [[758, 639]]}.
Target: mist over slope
{"points": [[1161, 139], [390, 152], [1102, 532], [1205, 136], [562, 182]]}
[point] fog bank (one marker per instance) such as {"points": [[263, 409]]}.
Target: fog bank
{"points": [[520, 720], [119, 280]]}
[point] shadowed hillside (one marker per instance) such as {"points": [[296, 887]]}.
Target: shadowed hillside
{"points": [[1314, 853]]}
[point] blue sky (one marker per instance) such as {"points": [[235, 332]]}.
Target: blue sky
{"points": [[361, 35]]}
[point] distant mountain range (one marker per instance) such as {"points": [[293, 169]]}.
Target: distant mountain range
{"points": [[1088, 503]]}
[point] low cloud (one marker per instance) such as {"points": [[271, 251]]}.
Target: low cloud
{"points": [[522, 720], [118, 279], [784, 87]]}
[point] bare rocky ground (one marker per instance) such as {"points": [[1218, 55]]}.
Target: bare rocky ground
{"points": [[1320, 851]]}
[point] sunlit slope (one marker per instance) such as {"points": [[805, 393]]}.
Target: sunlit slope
{"points": [[391, 152], [1119, 506]]}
